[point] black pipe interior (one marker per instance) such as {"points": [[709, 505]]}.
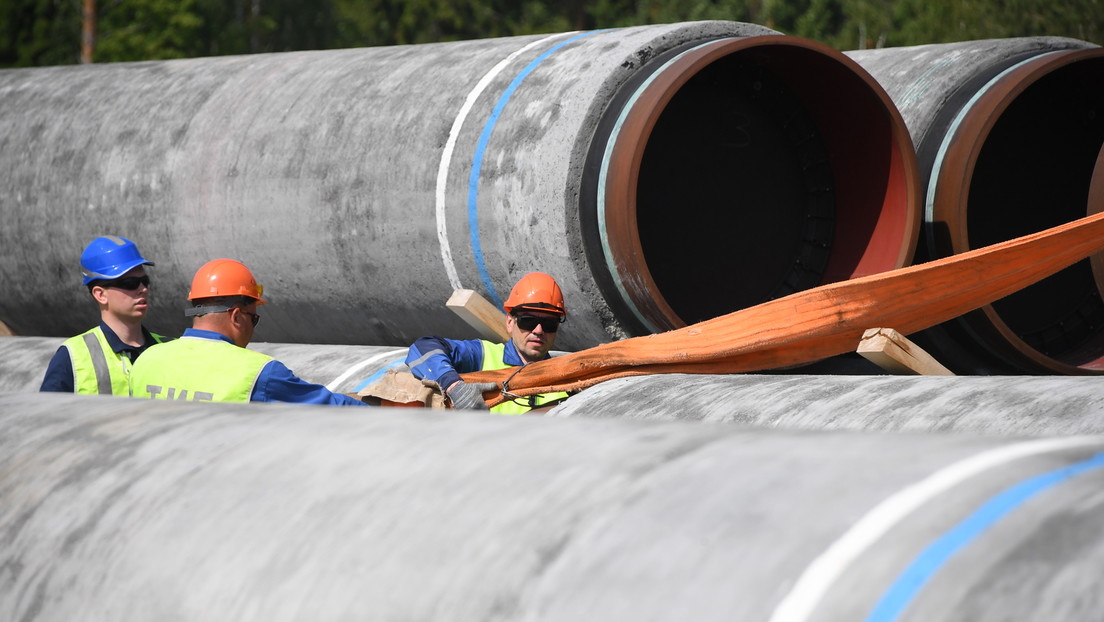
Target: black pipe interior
{"points": [[736, 176]]}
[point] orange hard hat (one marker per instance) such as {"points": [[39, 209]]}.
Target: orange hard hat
{"points": [[536, 291], [225, 277]]}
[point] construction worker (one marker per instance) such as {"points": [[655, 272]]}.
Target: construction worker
{"points": [[210, 362], [534, 312], [99, 360]]}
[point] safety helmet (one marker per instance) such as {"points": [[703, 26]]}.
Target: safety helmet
{"points": [[225, 277], [536, 291], [110, 257]]}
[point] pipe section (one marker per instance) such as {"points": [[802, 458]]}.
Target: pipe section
{"points": [[1007, 134], [344, 369], [117, 508], [990, 405], [364, 185]]}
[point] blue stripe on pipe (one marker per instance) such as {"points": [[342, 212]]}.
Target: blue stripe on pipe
{"points": [[477, 163], [379, 374], [913, 579]]}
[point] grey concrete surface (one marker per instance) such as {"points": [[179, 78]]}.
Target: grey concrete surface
{"points": [[362, 186], [998, 405], [122, 509]]}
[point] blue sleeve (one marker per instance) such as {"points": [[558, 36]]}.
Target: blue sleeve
{"points": [[59, 373], [276, 383], [443, 360]]}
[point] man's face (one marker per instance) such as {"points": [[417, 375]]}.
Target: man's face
{"points": [[535, 343], [126, 297]]}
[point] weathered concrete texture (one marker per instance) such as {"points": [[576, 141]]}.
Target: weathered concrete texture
{"points": [[1003, 127], [924, 79], [1000, 405], [343, 369], [115, 508], [362, 186]]}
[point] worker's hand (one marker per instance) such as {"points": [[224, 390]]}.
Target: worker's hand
{"points": [[469, 394]]}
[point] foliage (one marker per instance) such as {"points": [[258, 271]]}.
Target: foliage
{"points": [[48, 32]]}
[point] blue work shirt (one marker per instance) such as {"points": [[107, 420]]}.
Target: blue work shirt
{"points": [[448, 358], [276, 383]]}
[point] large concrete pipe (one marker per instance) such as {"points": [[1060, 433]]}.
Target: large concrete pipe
{"points": [[1007, 133], [119, 509], [663, 174], [998, 405], [341, 368]]}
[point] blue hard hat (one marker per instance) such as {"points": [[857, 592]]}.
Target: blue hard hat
{"points": [[110, 257]]}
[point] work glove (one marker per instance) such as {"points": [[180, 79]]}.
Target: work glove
{"points": [[469, 394]]}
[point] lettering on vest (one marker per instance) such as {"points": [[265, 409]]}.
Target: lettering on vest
{"points": [[197, 396]]}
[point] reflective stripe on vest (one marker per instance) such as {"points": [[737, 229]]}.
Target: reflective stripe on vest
{"points": [[199, 370], [492, 360], [98, 369]]}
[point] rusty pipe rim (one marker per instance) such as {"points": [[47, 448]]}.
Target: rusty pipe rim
{"points": [[955, 179], [869, 174]]}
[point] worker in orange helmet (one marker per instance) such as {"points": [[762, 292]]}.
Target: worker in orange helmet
{"points": [[210, 361], [534, 312]]}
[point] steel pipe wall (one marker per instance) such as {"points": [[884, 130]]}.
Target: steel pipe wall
{"points": [[115, 508], [363, 186], [1008, 133], [991, 405]]}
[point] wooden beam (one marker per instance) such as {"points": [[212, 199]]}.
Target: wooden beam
{"points": [[484, 317], [894, 353]]}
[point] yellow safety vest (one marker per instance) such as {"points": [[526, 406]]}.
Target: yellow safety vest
{"points": [[98, 369], [492, 360], [198, 370]]}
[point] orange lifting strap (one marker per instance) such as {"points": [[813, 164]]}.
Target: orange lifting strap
{"points": [[817, 323]]}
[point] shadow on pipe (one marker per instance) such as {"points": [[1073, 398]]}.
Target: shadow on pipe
{"points": [[743, 170]]}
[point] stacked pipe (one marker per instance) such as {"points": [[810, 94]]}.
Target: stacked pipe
{"points": [[121, 509], [1010, 140], [663, 174]]}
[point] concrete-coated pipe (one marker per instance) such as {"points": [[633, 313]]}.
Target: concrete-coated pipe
{"points": [[663, 174], [341, 368], [998, 405], [119, 509], [1008, 133]]}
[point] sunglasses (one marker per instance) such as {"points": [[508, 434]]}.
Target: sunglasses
{"points": [[253, 316], [130, 283], [529, 322]]}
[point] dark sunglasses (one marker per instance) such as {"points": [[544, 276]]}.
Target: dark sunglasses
{"points": [[128, 282], [253, 316], [529, 322]]}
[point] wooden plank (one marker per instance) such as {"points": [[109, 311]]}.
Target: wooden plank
{"points": [[894, 353], [488, 320]]}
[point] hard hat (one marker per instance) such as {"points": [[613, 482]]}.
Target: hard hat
{"points": [[225, 277], [536, 291], [110, 257]]}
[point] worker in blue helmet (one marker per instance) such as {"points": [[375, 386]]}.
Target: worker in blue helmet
{"points": [[98, 361]]}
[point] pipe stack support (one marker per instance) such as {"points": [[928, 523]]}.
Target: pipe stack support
{"points": [[642, 167], [1009, 135], [126, 509]]}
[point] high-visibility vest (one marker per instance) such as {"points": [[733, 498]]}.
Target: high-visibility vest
{"points": [[97, 368], [492, 360], [198, 370]]}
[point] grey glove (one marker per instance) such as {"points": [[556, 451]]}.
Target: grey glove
{"points": [[469, 394]]}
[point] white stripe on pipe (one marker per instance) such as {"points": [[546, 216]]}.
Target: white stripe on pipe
{"points": [[336, 382], [807, 593], [450, 145]]}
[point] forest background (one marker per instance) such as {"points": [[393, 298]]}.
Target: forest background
{"points": [[58, 32]]}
